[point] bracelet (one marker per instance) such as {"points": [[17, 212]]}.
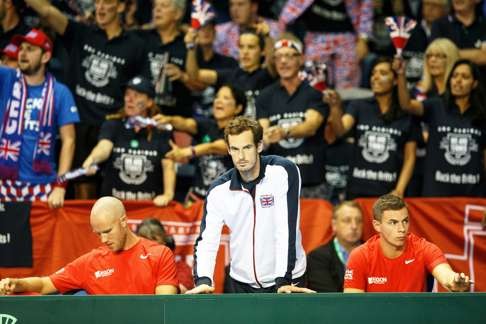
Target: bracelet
{"points": [[59, 184], [286, 132], [193, 152], [190, 46]]}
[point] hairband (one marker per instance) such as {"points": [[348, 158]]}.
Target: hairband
{"points": [[288, 43]]}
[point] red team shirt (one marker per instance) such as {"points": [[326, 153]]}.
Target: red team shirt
{"points": [[368, 269], [138, 270]]}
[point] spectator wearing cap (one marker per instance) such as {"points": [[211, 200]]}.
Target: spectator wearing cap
{"points": [[9, 55], [133, 150], [103, 57], [11, 22], [34, 109], [293, 115]]}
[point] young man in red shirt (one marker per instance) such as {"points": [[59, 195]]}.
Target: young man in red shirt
{"points": [[125, 264], [395, 260]]}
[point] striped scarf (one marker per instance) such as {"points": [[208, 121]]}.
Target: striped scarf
{"points": [[11, 131]]}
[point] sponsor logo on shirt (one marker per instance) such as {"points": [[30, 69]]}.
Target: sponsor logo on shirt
{"points": [[348, 275], [377, 280], [409, 261], [266, 201], [104, 273], [145, 256]]}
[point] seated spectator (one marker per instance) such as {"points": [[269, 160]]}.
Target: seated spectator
{"points": [[325, 265], [385, 138], [454, 164], [128, 264], [395, 260], [136, 168], [211, 151], [250, 76], [34, 108], [152, 229], [244, 15]]}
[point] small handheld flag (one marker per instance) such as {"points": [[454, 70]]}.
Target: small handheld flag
{"points": [[202, 13], [400, 28]]}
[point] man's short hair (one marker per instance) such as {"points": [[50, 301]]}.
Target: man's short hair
{"points": [[241, 124], [387, 202], [346, 203], [253, 31]]}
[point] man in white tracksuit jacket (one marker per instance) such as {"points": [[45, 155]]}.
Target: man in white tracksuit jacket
{"points": [[259, 201]]}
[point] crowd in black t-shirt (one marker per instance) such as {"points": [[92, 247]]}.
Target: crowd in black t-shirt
{"points": [[101, 45]]}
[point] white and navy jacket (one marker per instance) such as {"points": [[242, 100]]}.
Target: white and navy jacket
{"points": [[265, 240]]}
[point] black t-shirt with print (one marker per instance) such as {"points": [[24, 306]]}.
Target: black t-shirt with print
{"points": [[134, 168], [172, 97], [251, 83], [100, 68], [378, 149], [280, 108], [203, 100], [211, 166], [454, 160]]}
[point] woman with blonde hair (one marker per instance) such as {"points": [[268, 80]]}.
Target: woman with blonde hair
{"points": [[440, 57]]}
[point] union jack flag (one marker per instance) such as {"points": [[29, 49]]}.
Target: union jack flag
{"points": [[10, 150], [44, 144], [315, 73], [202, 12], [266, 201], [400, 28]]}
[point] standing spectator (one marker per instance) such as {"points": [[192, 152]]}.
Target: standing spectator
{"points": [[419, 39], [210, 149], [259, 201], [102, 60], [385, 137], [10, 56], [250, 76], [34, 109], [244, 14], [208, 59], [124, 264], [467, 30], [337, 34], [136, 168], [165, 58], [11, 20], [395, 260], [455, 163], [293, 116], [325, 265]]}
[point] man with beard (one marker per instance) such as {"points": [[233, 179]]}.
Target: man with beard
{"points": [[103, 58], [33, 106]]}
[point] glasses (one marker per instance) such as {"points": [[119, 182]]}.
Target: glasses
{"points": [[287, 56], [436, 55]]}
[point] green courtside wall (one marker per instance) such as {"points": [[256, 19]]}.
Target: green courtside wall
{"points": [[235, 309]]}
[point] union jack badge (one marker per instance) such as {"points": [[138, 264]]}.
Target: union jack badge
{"points": [[266, 201]]}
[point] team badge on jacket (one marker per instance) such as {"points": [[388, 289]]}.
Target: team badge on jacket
{"points": [[266, 201]]}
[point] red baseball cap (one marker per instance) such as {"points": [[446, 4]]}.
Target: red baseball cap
{"points": [[11, 51], [35, 37]]}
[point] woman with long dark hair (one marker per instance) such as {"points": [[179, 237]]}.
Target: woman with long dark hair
{"points": [[456, 149], [384, 136]]}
